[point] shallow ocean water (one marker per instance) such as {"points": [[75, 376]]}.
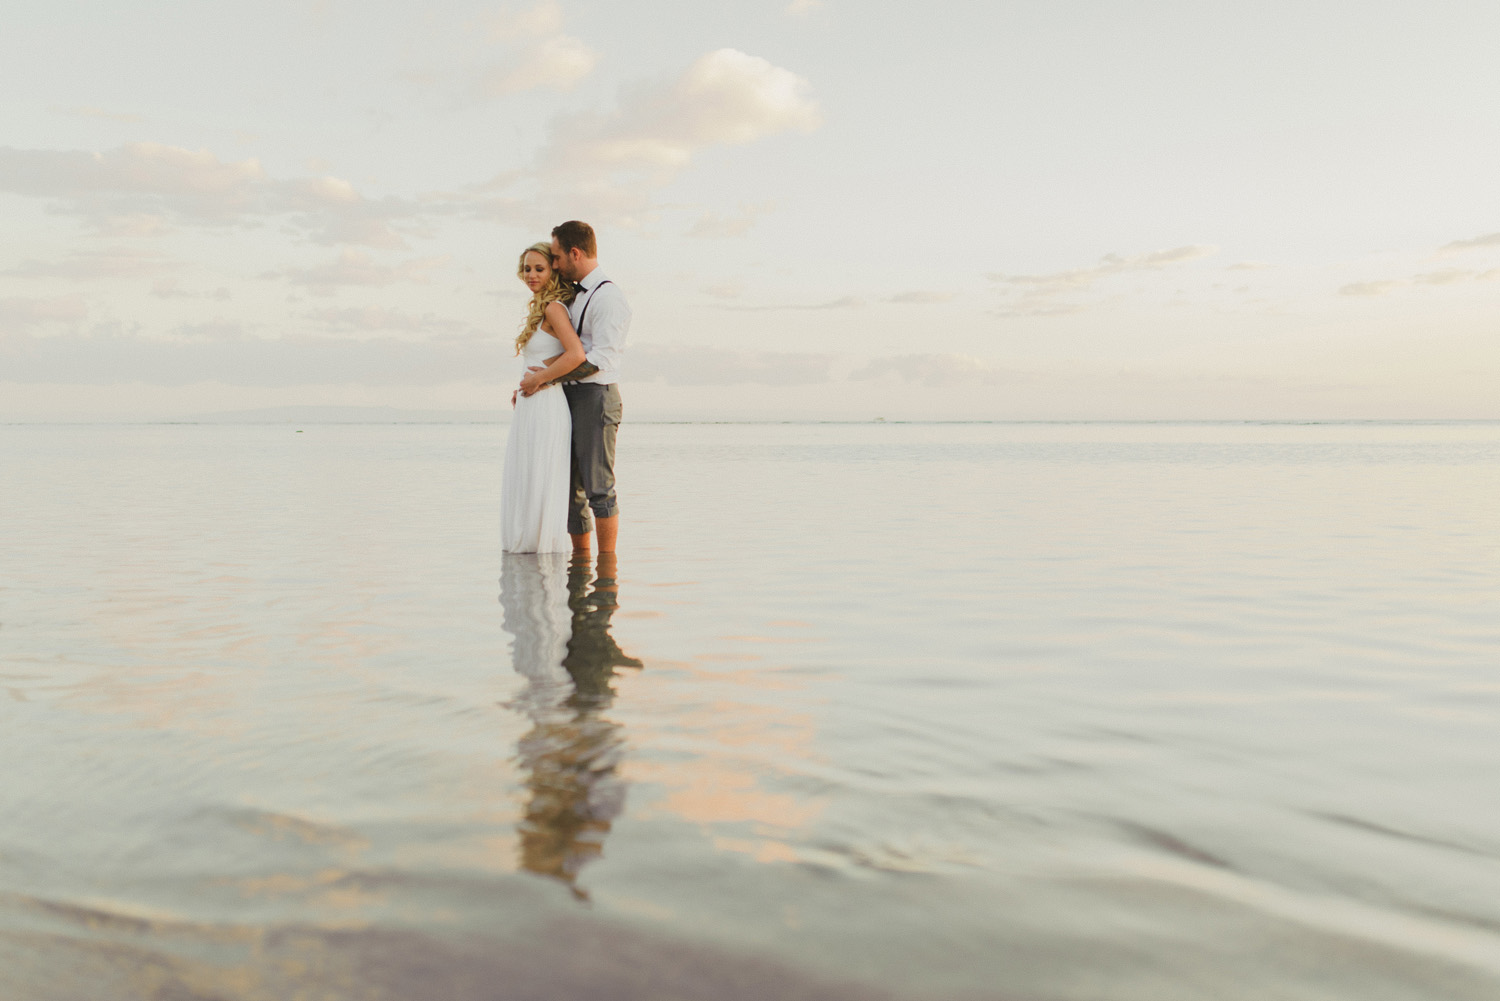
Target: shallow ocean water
{"points": [[1012, 711]]}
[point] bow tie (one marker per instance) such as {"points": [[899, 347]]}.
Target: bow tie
{"points": [[578, 287]]}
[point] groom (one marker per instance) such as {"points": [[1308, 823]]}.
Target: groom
{"points": [[602, 319]]}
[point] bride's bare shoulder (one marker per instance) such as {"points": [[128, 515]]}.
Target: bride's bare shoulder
{"points": [[555, 318], [554, 315]]}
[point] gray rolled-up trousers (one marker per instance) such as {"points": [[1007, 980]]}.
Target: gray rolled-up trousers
{"points": [[596, 413]]}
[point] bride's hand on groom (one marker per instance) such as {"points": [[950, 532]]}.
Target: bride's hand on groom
{"points": [[531, 381]]}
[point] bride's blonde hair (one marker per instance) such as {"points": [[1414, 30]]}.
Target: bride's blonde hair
{"points": [[556, 290]]}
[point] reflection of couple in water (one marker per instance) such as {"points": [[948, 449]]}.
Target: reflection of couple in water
{"points": [[559, 610]]}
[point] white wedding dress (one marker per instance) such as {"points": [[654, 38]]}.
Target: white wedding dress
{"points": [[534, 492]]}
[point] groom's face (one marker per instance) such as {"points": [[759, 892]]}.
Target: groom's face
{"points": [[560, 262]]}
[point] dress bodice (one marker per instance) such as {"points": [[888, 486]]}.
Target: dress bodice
{"points": [[541, 347]]}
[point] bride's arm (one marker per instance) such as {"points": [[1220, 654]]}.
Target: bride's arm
{"points": [[572, 355]]}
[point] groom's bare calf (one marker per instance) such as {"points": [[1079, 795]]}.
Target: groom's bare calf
{"points": [[609, 531]]}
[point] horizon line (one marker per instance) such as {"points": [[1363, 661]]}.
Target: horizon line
{"points": [[206, 420]]}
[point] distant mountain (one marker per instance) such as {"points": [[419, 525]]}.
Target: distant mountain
{"points": [[347, 415]]}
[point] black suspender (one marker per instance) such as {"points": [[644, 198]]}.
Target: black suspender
{"points": [[589, 303]]}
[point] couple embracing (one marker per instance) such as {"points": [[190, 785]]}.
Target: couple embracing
{"points": [[559, 484]]}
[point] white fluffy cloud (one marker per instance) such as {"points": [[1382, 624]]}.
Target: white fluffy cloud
{"points": [[604, 166], [725, 98], [538, 21], [139, 187], [558, 63], [538, 54]]}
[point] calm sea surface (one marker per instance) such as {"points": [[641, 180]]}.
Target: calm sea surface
{"points": [[1089, 711]]}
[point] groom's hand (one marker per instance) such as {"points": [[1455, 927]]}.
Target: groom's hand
{"points": [[531, 381]]}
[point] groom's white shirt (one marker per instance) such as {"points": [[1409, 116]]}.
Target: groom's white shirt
{"points": [[608, 322]]}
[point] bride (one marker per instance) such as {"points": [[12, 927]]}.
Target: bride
{"points": [[534, 493]]}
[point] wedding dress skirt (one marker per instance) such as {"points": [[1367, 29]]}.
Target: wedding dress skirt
{"points": [[534, 492]]}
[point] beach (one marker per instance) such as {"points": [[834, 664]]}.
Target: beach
{"points": [[1040, 710]]}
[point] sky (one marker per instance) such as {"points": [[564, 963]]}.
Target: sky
{"points": [[818, 209]]}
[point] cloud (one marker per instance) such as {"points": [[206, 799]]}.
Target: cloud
{"points": [[539, 56], [140, 187], [605, 166], [353, 267], [556, 64], [545, 18], [221, 351], [725, 290], [847, 302], [919, 298], [210, 331], [194, 180], [1369, 288], [330, 211], [802, 8], [1037, 306], [725, 98], [935, 370], [1476, 243], [23, 314], [1249, 266], [132, 225], [1040, 294], [92, 265], [171, 288], [688, 365], [1446, 276], [1110, 264]]}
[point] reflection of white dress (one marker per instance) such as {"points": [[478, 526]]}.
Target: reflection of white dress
{"points": [[534, 493], [534, 603]]}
